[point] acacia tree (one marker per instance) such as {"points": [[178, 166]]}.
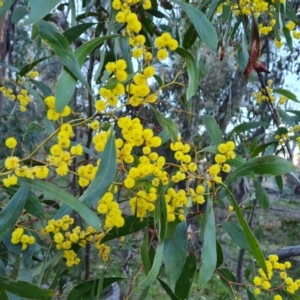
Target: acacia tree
{"points": [[120, 149]]}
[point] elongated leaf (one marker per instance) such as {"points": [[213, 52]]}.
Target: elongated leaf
{"points": [[279, 182], [261, 195], [3, 295], [212, 128], [25, 289], [204, 27], [209, 252], [248, 126], [287, 94], [32, 204], [132, 225], [288, 38], [61, 47], [175, 254], [243, 55], [63, 210], [5, 7], [237, 234], [63, 95], [145, 254], [46, 91], [168, 125], [39, 9], [290, 120], [19, 13], [32, 127], [163, 219], [250, 295], [86, 288], [189, 37], [126, 52], [153, 273], [30, 66], [192, 72], [212, 8], [220, 257], [260, 148], [74, 32], [271, 164], [291, 14], [253, 243], [168, 290], [226, 277], [185, 280], [51, 263], [10, 214], [83, 210], [105, 174]]}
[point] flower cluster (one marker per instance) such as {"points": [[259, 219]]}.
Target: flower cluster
{"points": [[263, 95], [226, 152], [274, 267], [176, 201], [18, 236], [66, 239], [165, 41], [112, 211], [288, 134], [22, 97], [52, 114]]}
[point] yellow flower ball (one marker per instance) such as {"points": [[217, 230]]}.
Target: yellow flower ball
{"points": [[149, 71], [100, 105], [162, 54], [11, 143], [137, 53], [12, 162]]}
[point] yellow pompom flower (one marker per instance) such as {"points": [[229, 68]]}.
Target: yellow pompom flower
{"points": [[173, 44], [219, 158], [137, 53], [66, 111], [214, 169], [162, 54], [100, 105], [129, 182], [121, 64], [148, 56], [52, 115], [147, 4], [119, 89], [266, 285], [121, 75], [11, 143], [230, 146], [257, 281], [110, 66], [149, 71], [95, 125], [12, 162], [10, 180], [226, 168], [287, 264], [222, 148], [76, 150], [116, 4]]}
